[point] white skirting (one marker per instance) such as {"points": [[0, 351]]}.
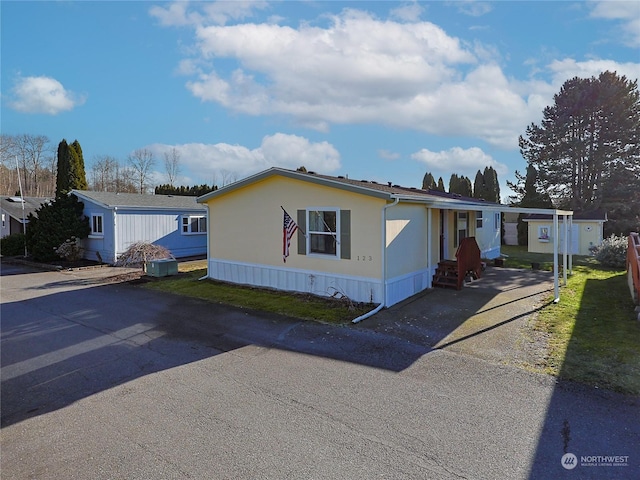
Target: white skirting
{"points": [[405, 286], [358, 289]]}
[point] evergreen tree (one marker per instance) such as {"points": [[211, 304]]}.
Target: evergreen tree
{"points": [[440, 186], [428, 182], [491, 185], [460, 185], [588, 144], [62, 179], [79, 175], [529, 194], [58, 221], [71, 172], [479, 190], [53, 224], [195, 191]]}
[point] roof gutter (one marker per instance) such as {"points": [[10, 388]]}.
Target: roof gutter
{"points": [[383, 215]]}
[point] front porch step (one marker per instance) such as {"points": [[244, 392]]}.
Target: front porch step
{"points": [[446, 275]]}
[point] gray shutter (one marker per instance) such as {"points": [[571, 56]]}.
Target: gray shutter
{"points": [[302, 227], [345, 234]]}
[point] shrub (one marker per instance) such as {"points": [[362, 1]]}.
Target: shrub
{"points": [[12, 245], [141, 252], [53, 224], [612, 252], [70, 250]]}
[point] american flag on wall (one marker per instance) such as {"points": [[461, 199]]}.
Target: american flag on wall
{"points": [[289, 227]]}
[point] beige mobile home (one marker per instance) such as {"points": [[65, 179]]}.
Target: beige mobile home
{"points": [[372, 242]]}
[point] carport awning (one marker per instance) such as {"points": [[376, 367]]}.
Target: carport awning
{"points": [[567, 216]]}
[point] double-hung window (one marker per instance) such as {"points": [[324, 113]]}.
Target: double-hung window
{"points": [[97, 225], [194, 224], [323, 232]]}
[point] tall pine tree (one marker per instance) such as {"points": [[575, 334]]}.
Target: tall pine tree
{"points": [[428, 182], [71, 171], [63, 218], [587, 148]]}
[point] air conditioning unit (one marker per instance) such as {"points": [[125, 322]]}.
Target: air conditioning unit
{"points": [[161, 268]]}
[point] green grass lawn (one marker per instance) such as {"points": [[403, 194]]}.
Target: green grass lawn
{"points": [[305, 307], [594, 337], [518, 257]]}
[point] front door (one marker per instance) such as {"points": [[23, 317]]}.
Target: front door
{"points": [[444, 234], [462, 226]]}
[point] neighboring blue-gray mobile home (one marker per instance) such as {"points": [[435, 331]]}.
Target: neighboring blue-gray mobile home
{"points": [[118, 220]]}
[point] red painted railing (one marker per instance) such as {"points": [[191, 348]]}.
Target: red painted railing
{"points": [[633, 266], [468, 257]]}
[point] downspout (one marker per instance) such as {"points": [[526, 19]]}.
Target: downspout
{"points": [[429, 246], [208, 242], [383, 215], [566, 245], [556, 288], [115, 235]]}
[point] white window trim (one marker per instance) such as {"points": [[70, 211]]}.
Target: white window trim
{"points": [[189, 219], [94, 234], [325, 256]]}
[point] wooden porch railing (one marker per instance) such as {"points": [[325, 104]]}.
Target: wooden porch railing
{"points": [[451, 273], [633, 266], [468, 258]]}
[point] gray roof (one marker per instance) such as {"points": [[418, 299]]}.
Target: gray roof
{"points": [[13, 205], [587, 215], [387, 191], [364, 187], [139, 201]]}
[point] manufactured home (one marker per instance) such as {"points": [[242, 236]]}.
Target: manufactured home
{"points": [[373, 242], [118, 220], [15, 212]]}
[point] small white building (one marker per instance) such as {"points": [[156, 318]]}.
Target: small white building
{"points": [[586, 232]]}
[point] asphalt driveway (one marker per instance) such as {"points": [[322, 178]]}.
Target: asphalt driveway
{"points": [[490, 318], [102, 379]]}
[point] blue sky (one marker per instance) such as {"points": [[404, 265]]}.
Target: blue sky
{"points": [[382, 91]]}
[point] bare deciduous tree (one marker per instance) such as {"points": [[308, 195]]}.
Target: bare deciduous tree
{"points": [[172, 165], [141, 161], [33, 153]]}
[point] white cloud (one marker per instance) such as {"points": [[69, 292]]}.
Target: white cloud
{"points": [[388, 155], [175, 15], [178, 14], [473, 8], [43, 95], [409, 12], [458, 160], [627, 12], [214, 161], [567, 68], [363, 70]]}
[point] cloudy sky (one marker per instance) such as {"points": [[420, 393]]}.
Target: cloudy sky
{"points": [[383, 91]]}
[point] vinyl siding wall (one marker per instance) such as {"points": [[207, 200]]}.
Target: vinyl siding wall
{"points": [[246, 239], [130, 226]]}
